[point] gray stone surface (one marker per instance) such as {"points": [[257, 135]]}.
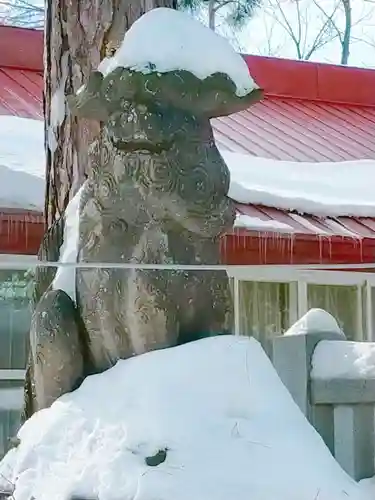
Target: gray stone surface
{"points": [[354, 439], [341, 409], [157, 193], [343, 391], [292, 357]]}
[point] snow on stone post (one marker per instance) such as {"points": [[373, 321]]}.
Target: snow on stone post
{"points": [[333, 383], [292, 353], [343, 381]]}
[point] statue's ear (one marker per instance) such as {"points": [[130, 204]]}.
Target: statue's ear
{"points": [[88, 101], [219, 98], [214, 96], [103, 95]]}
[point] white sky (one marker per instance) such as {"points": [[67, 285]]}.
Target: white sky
{"points": [[265, 36]]}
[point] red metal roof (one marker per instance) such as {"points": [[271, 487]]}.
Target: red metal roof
{"points": [[312, 112], [300, 130], [21, 48], [21, 93], [311, 240], [21, 72]]}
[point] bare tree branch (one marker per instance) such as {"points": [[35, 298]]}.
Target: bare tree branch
{"points": [[299, 23], [270, 50], [342, 35], [224, 3], [285, 24], [21, 13], [325, 34], [329, 18], [331, 26]]}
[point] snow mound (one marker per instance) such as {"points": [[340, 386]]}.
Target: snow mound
{"points": [[22, 163], [304, 187], [165, 40], [348, 360], [315, 320], [215, 410]]}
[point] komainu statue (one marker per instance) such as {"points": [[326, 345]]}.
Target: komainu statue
{"points": [[157, 194]]}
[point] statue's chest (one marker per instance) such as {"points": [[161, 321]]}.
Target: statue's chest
{"points": [[106, 232]]}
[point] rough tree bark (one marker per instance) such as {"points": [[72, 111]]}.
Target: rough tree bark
{"points": [[78, 35]]}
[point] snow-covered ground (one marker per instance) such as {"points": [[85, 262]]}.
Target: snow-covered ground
{"points": [[216, 407]]}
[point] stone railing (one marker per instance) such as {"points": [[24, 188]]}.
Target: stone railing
{"points": [[332, 380]]}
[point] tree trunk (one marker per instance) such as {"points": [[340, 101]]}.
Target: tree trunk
{"points": [[345, 42], [211, 15], [78, 35]]}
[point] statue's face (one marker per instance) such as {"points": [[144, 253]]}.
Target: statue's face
{"points": [[172, 159], [158, 128]]}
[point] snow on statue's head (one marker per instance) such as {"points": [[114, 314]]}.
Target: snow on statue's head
{"points": [[155, 98]]}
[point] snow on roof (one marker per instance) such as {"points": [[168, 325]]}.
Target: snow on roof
{"points": [[165, 40], [210, 405], [325, 189], [244, 221], [22, 163]]}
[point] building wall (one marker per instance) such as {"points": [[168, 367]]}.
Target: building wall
{"points": [[15, 317], [268, 305]]}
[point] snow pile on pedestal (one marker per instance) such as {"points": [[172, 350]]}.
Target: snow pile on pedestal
{"points": [[216, 408], [165, 40], [315, 320], [344, 360]]}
